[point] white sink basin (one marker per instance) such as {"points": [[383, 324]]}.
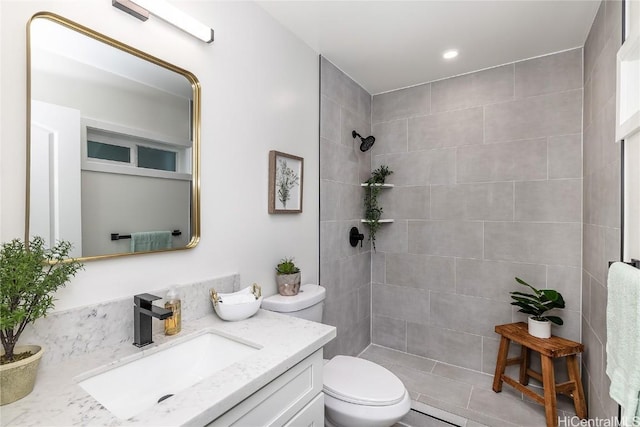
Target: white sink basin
{"points": [[137, 385]]}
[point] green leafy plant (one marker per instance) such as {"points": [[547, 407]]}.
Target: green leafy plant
{"points": [[379, 175], [29, 275], [538, 303], [287, 266], [372, 210]]}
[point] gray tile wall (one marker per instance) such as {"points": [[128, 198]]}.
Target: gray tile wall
{"points": [[488, 186], [344, 271], [601, 193]]}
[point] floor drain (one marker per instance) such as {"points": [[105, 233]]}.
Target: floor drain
{"points": [[165, 397]]}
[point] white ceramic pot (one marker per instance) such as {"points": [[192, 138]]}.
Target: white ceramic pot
{"points": [[540, 329], [237, 305], [17, 378]]}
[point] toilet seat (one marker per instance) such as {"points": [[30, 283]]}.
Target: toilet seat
{"points": [[361, 382]]}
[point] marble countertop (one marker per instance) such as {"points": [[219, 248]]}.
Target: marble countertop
{"points": [[58, 400]]}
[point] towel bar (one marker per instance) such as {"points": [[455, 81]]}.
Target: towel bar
{"points": [[633, 263], [118, 236]]}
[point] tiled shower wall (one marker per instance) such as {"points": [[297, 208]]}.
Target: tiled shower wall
{"points": [[601, 229], [488, 186], [344, 271]]}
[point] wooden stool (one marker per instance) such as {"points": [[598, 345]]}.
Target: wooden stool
{"points": [[549, 349]]}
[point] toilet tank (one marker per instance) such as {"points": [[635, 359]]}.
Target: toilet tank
{"points": [[307, 304]]}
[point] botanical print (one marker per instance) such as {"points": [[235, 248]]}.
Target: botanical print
{"points": [[286, 175], [286, 180]]}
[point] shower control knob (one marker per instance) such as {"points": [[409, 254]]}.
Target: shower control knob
{"points": [[355, 236]]}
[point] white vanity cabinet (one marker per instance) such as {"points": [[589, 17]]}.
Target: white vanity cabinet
{"points": [[294, 398]]}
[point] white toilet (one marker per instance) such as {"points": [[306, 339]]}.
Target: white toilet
{"points": [[358, 393]]}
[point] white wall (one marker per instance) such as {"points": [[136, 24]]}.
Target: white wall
{"points": [[119, 101], [259, 92]]}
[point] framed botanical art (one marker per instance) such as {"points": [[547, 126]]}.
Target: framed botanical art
{"points": [[285, 183]]}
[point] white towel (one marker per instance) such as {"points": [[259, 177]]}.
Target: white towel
{"points": [[623, 338], [243, 296], [237, 299]]}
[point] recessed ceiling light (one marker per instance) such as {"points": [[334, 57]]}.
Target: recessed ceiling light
{"points": [[450, 54]]}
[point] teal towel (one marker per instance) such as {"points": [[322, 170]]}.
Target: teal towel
{"points": [[150, 241], [623, 338]]}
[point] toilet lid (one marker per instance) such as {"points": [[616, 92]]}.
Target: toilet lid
{"points": [[308, 296], [361, 382]]}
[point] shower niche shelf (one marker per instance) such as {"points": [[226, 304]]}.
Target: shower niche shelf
{"points": [[381, 221]]}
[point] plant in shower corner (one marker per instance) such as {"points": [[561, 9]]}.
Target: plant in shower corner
{"points": [[30, 273], [536, 305], [286, 179], [379, 176], [372, 210]]}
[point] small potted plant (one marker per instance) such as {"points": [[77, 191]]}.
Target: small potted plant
{"points": [[536, 304], [372, 211], [287, 277], [29, 275]]}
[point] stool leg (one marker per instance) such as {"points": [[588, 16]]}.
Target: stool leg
{"points": [[501, 363], [578, 394], [524, 365], [549, 385]]}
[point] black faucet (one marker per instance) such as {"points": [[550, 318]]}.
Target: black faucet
{"points": [[143, 311]]}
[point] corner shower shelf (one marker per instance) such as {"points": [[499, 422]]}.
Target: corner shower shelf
{"points": [[364, 184], [381, 221]]}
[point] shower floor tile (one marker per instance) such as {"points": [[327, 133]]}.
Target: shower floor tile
{"points": [[418, 419], [450, 395]]}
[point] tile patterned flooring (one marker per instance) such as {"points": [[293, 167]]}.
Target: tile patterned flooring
{"points": [[459, 396], [418, 419]]}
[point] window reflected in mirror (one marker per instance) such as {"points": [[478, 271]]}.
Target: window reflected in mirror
{"points": [[113, 144]]}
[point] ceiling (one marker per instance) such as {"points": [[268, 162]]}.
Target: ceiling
{"points": [[387, 45]]}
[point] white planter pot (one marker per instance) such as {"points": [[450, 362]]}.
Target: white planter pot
{"points": [[540, 329]]}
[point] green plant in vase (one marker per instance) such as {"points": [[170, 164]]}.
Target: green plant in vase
{"points": [[287, 277], [372, 210], [29, 276], [287, 266], [536, 304]]}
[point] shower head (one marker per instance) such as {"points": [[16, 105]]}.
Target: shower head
{"points": [[366, 143]]}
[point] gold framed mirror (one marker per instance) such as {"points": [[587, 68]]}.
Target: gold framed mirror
{"points": [[113, 144]]}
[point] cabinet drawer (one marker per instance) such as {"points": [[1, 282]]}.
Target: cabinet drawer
{"points": [[311, 415], [278, 401]]}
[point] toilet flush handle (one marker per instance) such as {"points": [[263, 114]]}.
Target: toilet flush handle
{"points": [[354, 236]]}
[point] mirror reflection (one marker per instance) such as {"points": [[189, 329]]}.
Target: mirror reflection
{"points": [[113, 144]]}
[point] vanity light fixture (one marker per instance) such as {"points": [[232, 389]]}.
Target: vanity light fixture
{"points": [[167, 12], [450, 54]]}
